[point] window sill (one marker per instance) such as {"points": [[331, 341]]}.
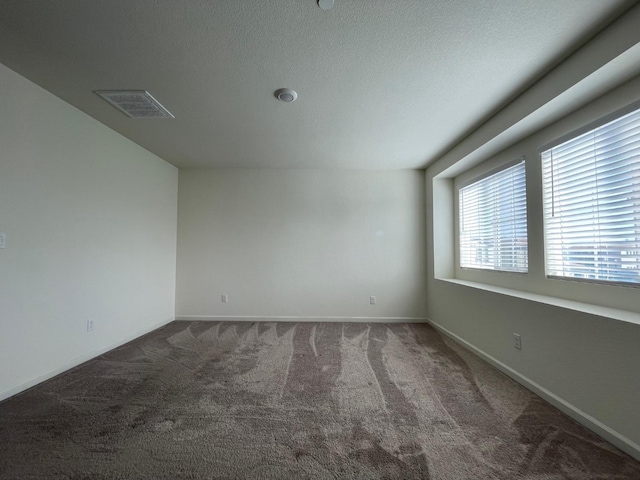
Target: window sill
{"points": [[608, 312]]}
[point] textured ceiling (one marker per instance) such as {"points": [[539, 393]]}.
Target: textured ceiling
{"points": [[382, 84]]}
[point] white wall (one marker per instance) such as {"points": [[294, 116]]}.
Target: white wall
{"points": [[301, 243], [90, 220], [583, 358]]}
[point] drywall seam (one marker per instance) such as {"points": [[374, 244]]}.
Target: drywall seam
{"points": [[79, 360], [593, 424], [249, 318]]}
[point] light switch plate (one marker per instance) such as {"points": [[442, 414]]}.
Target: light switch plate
{"points": [[3, 240]]}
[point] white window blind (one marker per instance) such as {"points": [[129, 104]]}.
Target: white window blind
{"points": [[493, 221], [592, 204]]}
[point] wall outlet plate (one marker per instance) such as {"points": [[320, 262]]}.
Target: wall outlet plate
{"points": [[90, 325], [224, 298], [3, 240], [372, 300]]}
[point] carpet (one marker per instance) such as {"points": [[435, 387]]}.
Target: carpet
{"points": [[203, 400]]}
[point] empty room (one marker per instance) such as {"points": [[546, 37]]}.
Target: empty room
{"points": [[320, 239]]}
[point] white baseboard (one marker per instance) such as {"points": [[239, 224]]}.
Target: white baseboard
{"points": [[78, 360], [609, 434], [262, 318]]}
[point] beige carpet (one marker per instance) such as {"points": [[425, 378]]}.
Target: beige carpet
{"points": [[294, 401]]}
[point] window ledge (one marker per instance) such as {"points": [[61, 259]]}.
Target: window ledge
{"points": [[608, 312]]}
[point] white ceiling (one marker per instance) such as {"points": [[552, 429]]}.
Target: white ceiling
{"points": [[382, 84]]}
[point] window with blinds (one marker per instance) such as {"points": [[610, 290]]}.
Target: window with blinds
{"points": [[592, 204], [493, 221]]}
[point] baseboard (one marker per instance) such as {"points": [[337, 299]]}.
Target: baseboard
{"points": [[285, 318], [609, 434], [78, 361]]}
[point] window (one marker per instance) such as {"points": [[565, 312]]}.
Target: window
{"points": [[493, 221], [592, 204]]}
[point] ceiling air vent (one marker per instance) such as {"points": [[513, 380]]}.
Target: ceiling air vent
{"points": [[135, 103]]}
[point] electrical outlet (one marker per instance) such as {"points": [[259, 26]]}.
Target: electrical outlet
{"points": [[225, 298], [90, 325], [3, 240], [372, 300], [517, 341]]}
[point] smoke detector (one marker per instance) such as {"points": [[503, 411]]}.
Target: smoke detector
{"points": [[325, 4], [286, 95], [135, 103]]}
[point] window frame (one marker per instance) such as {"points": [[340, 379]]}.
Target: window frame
{"points": [[462, 182], [588, 127]]}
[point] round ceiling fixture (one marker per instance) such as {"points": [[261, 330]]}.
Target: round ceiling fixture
{"points": [[325, 4], [286, 95]]}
